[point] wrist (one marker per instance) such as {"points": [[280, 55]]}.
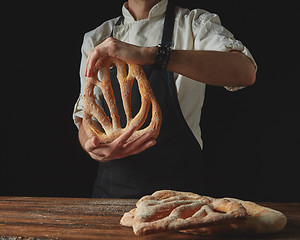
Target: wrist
{"points": [[149, 54]]}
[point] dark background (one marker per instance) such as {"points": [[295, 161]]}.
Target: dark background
{"points": [[251, 136]]}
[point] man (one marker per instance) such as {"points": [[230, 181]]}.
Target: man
{"points": [[194, 50]]}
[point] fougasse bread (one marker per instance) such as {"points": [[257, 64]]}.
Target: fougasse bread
{"points": [[168, 210], [111, 129]]}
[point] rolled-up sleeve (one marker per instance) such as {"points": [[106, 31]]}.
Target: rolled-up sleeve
{"points": [[78, 108], [90, 41], [210, 35]]}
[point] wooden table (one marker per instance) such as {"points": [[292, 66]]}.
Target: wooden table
{"points": [[67, 218]]}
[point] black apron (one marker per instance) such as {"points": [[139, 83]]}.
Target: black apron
{"points": [[175, 162]]}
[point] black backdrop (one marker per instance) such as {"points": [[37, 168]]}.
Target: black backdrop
{"points": [[251, 136]]}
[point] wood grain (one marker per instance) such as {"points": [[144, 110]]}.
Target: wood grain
{"points": [[73, 218]]}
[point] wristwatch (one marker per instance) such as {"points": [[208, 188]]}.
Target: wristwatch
{"points": [[162, 56]]}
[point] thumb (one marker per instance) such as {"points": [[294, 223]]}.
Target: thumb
{"points": [[95, 141], [91, 144]]}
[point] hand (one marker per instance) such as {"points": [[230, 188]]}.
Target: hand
{"points": [[121, 50], [119, 148]]}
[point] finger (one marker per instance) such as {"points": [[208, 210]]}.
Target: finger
{"points": [[93, 57], [90, 63], [98, 151], [87, 64], [126, 135], [143, 147], [98, 158], [92, 144], [145, 137], [85, 67], [142, 143]]}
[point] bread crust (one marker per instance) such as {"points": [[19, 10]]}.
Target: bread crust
{"points": [[112, 130], [168, 210]]}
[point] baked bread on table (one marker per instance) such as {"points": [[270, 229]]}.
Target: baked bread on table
{"points": [[168, 210]]}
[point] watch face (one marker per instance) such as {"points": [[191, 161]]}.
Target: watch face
{"points": [[162, 56]]}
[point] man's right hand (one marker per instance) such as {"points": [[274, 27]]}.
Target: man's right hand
{"points": [[121, 50]]}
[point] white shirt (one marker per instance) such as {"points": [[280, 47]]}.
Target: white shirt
{"points": [[193, 30]]}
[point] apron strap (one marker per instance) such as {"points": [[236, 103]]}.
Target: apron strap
{"points": [[117, 24], [167, 40], [169, 24]]}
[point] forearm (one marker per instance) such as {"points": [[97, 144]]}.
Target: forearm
{"points": [[231, 69], [213, 68]]}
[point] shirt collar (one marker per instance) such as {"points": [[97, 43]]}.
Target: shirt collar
{"points": [[157, 11]]}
